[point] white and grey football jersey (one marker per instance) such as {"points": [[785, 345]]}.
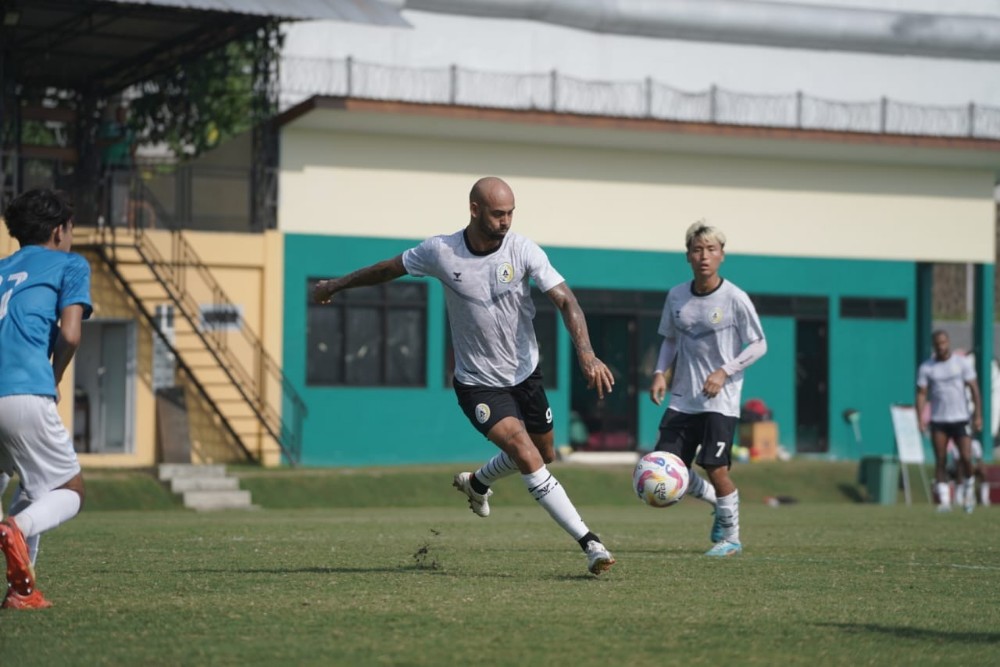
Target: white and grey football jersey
{"points": [[710, 330], [489, 303], [945, 384]]}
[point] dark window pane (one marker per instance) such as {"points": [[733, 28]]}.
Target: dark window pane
{"points": [[372, 294], [799, 307], [545, 331], [546, 323], [869, 308], [324, 344], [406, 354], [369, 336], [410, 293], [363, 347]]}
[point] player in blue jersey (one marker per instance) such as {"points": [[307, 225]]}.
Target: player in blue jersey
{"points": [[44, 297], [485, 269]]}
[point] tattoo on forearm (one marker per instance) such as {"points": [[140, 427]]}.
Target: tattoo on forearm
{"points": [[370, 275], [576, 324]]}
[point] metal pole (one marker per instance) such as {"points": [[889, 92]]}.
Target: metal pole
{"points": [[554, 88], [649, 97]]}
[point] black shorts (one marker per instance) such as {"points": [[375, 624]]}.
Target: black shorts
{"points": [[682, 434], [485, 406], [954, 430]]}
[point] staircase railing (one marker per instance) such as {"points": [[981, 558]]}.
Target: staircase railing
{"points": [[264, 387]]}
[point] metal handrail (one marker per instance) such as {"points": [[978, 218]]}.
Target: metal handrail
{"points": [[175, 274]]}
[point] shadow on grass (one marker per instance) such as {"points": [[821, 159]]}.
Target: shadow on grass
{"points": [[436, 569], [851, 492], [915, 633], [314, 570]]}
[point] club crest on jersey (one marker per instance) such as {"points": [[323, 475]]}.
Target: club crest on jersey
{"points": [[505, 273], [715, 316], [482, 413]]}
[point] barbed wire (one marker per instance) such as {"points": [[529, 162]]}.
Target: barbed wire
{"points": [[302, 78]]}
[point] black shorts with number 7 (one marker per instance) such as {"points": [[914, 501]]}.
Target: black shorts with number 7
{"points": [[682, 434]]}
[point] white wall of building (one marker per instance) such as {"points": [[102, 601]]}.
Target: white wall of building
{"points": [[395, 186]]}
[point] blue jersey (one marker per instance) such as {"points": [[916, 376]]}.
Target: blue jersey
{"points": [[36, 283]]}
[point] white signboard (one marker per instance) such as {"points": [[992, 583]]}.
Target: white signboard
{"points": [[909, 441]]}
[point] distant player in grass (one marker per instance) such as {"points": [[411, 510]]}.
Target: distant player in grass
{"points": [[485, 269], [44, 297], [711, 334], [947, 381]]}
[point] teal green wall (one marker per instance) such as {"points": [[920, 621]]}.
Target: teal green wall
{"points": [[772, 379], [356, 426], [871, 361]]}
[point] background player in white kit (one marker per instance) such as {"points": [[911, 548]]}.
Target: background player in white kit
{"points": [[942, 380], [485, 270], [711, 334]]}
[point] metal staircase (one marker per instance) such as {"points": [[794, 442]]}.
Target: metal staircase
{"points": [[235, 376]]}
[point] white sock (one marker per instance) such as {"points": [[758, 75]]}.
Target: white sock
{"points": [[496, 468], [984, 494], [944, 494], [728, 512], [969, 491], [699, 488], [50, 510], [18, 503], [550, 494]]}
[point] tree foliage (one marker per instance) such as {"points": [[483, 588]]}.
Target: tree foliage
{"points": [[201, 102]]}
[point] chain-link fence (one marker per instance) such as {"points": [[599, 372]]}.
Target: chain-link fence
{"points": [[304, 77]]}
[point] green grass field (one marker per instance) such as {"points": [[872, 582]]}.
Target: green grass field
{"points": [[825, 581]]}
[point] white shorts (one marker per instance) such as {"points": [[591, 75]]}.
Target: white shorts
{"points": [[35, 444]]}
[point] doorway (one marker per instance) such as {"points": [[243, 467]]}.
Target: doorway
{"points": [[812, 386], [622, 326], [105, 387]]}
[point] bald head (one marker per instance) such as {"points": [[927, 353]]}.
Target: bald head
{"points": [[489, 188], [491, 209]]}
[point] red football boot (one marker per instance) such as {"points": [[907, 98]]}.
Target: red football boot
{"points": [[20, 574], [35, 600]]}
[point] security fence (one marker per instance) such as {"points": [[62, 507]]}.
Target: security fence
{"points": [[304, 77]]}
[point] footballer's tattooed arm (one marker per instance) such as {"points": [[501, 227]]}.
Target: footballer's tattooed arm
{"points": [[380, 272], [598, 375]]}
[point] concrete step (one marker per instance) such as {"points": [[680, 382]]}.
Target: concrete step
{"points": [[182, 484], [168, 471], [218, 500]]}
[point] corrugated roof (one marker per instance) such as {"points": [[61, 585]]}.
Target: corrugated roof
{"points": [[102, 46], [355, 11]]}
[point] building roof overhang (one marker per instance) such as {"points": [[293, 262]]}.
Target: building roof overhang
{"points": [[561, 129]]}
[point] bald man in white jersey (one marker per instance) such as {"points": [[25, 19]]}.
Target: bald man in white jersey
{"points": [[711, 334], [943, 381], [485, 270]]}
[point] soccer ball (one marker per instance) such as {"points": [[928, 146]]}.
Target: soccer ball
{"points": [[660, 479]]}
